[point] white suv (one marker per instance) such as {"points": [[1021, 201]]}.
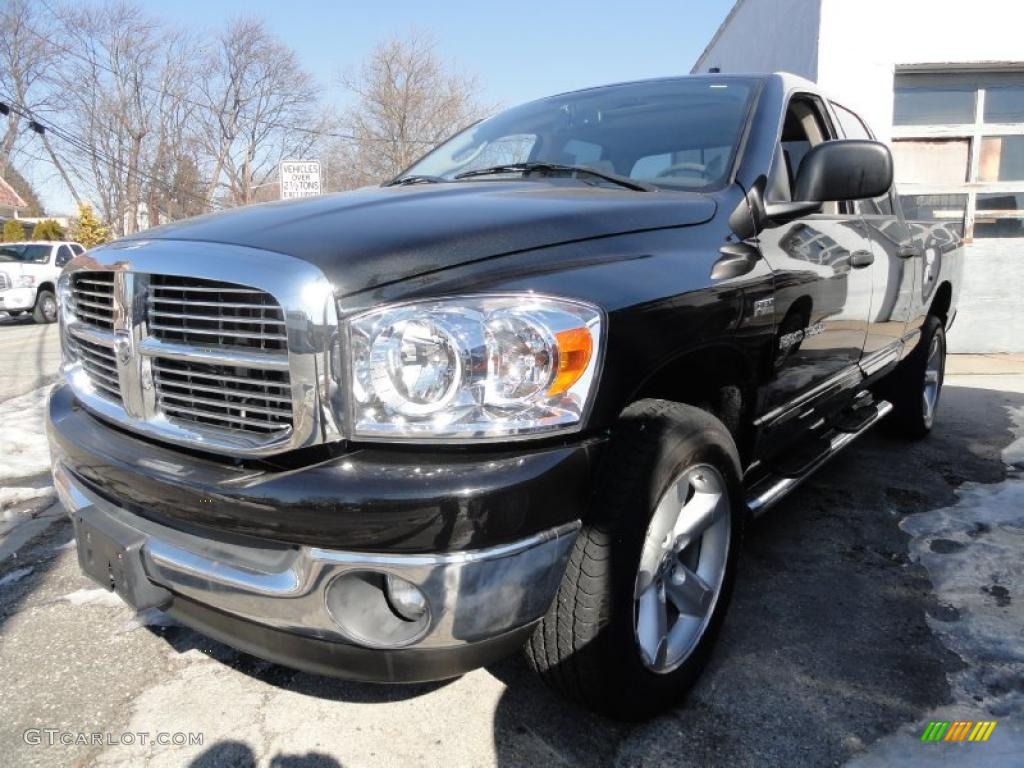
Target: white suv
{"points": [[28, 276]]}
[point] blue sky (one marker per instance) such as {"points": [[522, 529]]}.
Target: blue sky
{"points": [[518, 50]]}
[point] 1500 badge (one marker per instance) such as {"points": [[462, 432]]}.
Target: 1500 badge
{"points": [[788, 340]]}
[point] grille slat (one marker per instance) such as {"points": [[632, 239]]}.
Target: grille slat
{"points": [[222, 304], [79, 301], [225, 404], [95, 294], [161, 366], [195, 287], [218, 332], [222, 391], [5, 281], [217, 318], [215, 418], [98, 285]]}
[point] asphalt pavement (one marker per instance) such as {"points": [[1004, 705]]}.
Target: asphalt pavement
{"points": [[833, 649], [29, 355]]}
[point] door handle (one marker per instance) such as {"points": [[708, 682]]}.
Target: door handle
{"points": [[861, 259], [910, 251]]}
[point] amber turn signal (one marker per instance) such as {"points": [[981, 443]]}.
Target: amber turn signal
{"points": [[575, 347]]}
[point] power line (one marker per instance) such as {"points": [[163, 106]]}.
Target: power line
{"points": [[82, 145], [210, 107]]}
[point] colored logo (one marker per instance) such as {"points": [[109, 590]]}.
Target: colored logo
{"points": [[958, 730]]}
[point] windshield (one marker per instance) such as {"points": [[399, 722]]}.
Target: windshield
{"points": [[24, 252], [677, 134]]}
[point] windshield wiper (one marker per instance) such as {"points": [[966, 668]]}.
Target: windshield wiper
{"points": [[527, 168], [402, 181]]}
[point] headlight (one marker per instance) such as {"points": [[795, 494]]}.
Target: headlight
{"points": [[26, 281], [472, 368]]}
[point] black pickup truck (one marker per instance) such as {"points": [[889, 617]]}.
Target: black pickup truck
{"points": [[528, 393]]}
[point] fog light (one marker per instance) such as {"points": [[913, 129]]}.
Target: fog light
{"points": [[378, 610], [405, 599]]}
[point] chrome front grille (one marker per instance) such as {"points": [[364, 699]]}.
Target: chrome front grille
{"points": [[196, 361], [100, 366], [222, 396], [92, 298], [5, 281], [207, 312]]}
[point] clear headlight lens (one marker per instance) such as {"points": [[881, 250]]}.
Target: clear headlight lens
{"points": [[475, 367], [26, 281]]}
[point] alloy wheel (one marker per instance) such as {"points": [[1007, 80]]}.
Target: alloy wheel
{"points": [[933, 371], [682, 567]]}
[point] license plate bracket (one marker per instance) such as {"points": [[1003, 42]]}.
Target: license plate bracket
{"points": [[110, 553]]}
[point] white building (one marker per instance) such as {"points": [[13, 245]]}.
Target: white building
{"points": [[943, 82]]}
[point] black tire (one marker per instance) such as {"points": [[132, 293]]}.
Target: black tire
{"points": [[46, 308], [905, 387], [585, 646]]}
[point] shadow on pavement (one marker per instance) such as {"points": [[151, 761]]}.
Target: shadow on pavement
{"points": [[826, 647], [238, 754]]}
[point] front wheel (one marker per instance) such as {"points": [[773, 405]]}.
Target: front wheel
{"points": [[46, 308], [650, 574]]}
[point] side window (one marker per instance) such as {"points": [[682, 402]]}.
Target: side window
{"points": [[854, 128], [64, 255], [77, 249], [804, 127]]}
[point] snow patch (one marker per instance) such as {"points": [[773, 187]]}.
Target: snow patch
{"points": [[15, 576], [15, 495], [97, 596], [1013, 454], [152, 617], [25, 450], [974, 555]]}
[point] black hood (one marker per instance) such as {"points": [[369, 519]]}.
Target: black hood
{"points": [[373, 236]]}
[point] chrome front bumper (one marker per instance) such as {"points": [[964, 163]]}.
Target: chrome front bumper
{"points": [[471, 596]]}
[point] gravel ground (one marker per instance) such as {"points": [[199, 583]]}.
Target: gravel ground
{"points": [[832, 651]]}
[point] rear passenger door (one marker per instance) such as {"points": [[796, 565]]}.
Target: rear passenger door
{"points": [[893, 272], [823, 290]]}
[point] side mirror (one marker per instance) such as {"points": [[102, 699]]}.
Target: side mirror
{"points": [[851, 169]]}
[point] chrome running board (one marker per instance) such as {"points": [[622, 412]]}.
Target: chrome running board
{"points": [[770, 490]]}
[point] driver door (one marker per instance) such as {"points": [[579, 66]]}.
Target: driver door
{"points": [[823, 291]]}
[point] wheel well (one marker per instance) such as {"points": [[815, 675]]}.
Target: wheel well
{"points": [[942, 302], [45, 287], [716, 379]]}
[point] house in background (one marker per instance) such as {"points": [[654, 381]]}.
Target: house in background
{"points": [[943, 82], [10, 203]]}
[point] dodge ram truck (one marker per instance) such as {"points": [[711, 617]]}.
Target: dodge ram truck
{"points": [[525, 395], [28, 276]]}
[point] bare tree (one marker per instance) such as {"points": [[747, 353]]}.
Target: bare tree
{"points": [[119, 103], [264, 108], [28, 60], [408, 99]]}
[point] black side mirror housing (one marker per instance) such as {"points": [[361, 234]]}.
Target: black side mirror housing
{"points": [[850, 169]]}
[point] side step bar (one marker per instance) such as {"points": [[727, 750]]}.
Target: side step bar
{"points": [[773, 488]]}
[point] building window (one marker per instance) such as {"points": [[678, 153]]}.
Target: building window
{"points": [[958, 147], [924, 105]]}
